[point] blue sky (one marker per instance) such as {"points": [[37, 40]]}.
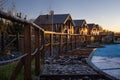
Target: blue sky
{"points": [[103, 12]]}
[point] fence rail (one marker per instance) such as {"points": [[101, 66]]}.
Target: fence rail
{"points": [[46, 42], [12, 60]]}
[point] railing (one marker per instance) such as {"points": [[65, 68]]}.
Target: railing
{"points": [[45, 44], [59, 43], [25, 60]]}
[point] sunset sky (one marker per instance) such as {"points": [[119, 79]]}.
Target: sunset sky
{"points": [[103, 12]]}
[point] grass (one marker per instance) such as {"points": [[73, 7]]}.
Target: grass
{"points": [[6, 71]]}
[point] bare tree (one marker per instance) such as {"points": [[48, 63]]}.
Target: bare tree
{"points": [[3, 4]]}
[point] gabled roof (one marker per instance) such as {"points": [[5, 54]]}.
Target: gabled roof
{"points": [[79, 22], [98, 26], [91, 25], [57, 19]]}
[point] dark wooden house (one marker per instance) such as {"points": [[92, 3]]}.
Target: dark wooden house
{"points": [[94, 32], [56, 22], [81, 27], [93, 29]]}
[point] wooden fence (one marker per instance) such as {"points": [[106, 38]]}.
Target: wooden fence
{"points": [[45, 43]]}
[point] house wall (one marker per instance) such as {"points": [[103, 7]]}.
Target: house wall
{"points": [[83, 30], [94, 31], [76, 30], [68, 27]]}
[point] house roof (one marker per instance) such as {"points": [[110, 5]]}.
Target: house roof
{"points": [[91, 25], [98, 26], [57, 19], [79, 22]]}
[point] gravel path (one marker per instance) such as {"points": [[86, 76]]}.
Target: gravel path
{"points": [[67, 65]]}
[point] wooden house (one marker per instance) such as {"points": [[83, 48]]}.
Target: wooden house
{"points": [[56, 22], [93, 29], [81, 27]]}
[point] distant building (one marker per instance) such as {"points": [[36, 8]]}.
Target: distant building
{"points": [[81, 27], [108, 37], [56, 22], [94, 29], [94, 32]]}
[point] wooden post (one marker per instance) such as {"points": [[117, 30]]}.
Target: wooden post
{"points": [[51, 45], [42, 56], [85, 40], [100, 39], [2, 42], [60, 44], [75, 41], [71, 43], [17, 45], [37, 56], [66, 42], [27, 62], [79, 42], [16, 71]]}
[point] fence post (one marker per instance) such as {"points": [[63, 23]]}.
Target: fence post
{"points": [[78, 42], [75, 41], [17, 35], [71, 42], [51, 45], [2, 42], [17, 69], [37, 55], [66, 42], [60, 44], [27, 62], [42, 55]]}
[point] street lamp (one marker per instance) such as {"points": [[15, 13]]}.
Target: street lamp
{"points": [[52, 13]]}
